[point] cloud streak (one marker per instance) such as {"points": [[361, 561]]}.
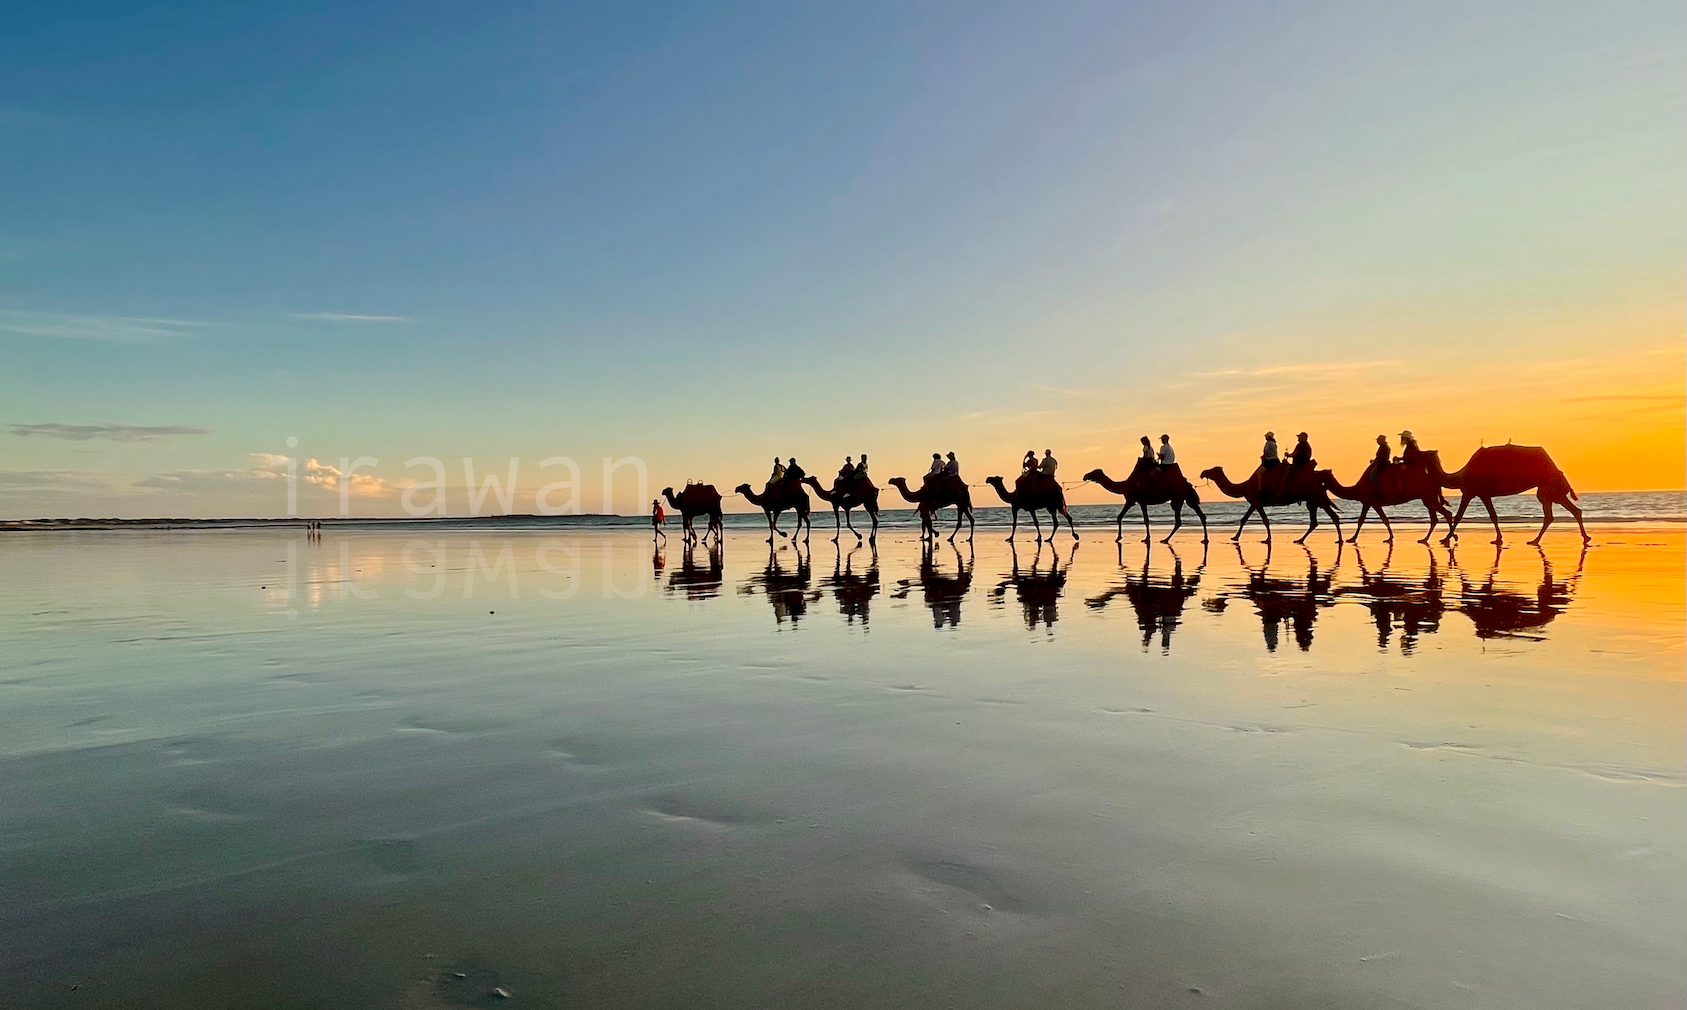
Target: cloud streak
{"points": [[348, 317], [108, 432], [117, 329]]}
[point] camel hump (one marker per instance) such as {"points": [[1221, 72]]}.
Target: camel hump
{"points": [[699, 494]]}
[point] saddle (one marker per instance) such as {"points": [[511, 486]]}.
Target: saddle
{"points": [[1035, 482]]}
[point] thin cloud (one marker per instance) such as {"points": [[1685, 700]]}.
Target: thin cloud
{"points": [[348, 317], [109, 432], [118, 329]]}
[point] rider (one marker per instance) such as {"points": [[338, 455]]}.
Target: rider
{"points": [[793, 472], [1268, 454], [778, 472], [845, 473], [1029, 463], [1409, 451], [1168, 455], [1379, 461], [1301, 454], [861, 467], [1049, 464], [953, 467], [935, 473]]}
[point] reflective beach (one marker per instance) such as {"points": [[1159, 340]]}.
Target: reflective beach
{"points": [[392, 768]]}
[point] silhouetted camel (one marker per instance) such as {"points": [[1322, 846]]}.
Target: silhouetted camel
{"points": [[1038, 590], [1397, 484], [1498, 470], [1279, 485], [697, 500], [943, 592], [1158, 602], [948, 491], [1501, 613], [698, 582], [777, 498], [1153, 486], [854, 592], [1033, 492], [859, 492]]}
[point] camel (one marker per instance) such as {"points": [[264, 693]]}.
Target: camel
{"points": [[853, 590], [697, 581], [948, 491], [858, 493], [1397, 484], [1414, 606], [697, 500], [788, 592], [1501, 612], [1498, 470], [776, 498], [1153, 486], [1031, 493], [1280, 602], [1290, 485]]}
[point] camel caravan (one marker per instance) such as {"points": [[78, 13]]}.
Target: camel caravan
{"points": [[1294, 480]]}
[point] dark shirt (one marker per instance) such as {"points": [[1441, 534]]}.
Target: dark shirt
{"points": [[794, 473], [1381, 458], [1411, 453], [1301, 454]]}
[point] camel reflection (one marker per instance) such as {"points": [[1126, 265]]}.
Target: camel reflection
{"points": [[1501, 612], [698, 581], [1037, 588], [854, 591], [943, 591], [787, 589], [1157, 599], [1283, 601], [1413, 605]]}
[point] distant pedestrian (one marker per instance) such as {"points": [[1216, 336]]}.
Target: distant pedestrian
{"points": [[657, 518]]}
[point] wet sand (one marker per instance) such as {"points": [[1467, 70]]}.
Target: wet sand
{"points": [[243, 768]]}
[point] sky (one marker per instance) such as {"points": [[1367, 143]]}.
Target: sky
{"points": [[704, 234]]}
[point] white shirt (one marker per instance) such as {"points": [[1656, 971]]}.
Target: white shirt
{"points": [[936, 467], [1270, 451], [952, 468], [1048, 465], [1147, 452], [1167, 456]]}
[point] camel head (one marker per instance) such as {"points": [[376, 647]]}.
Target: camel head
{"points": [[1212, 473], [668, 491], [743, 488], [901, 482], [994, 482], [1094, 475]]}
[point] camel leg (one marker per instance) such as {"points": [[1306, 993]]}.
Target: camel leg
{"points": [[1120, 521], [1576, 511], [851, 527], [957, 529], [1311, 522], [1013, 528], [1453, 523], [1265, 518], [1177, 521], [1195, 503], [1335, 518], [1147, 530], [1495, 518], [1244, 525], [1385, 525], [1434, 517], [1546, 520], [1037, 521], [772, 526], [1364, 509]]}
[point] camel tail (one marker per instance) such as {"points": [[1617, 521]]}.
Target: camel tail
{"points": [[1568, 489]]}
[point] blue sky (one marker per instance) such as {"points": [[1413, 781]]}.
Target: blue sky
{"points": [[702, 234]]}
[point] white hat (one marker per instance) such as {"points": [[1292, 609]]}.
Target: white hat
{"points": [[1407, 433]]}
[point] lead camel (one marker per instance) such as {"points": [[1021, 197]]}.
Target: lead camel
{"points": [[778, 497], [1289, 485], [949, 491], [857, 493], [697, 500], [1153, 486], [1499, 470]]}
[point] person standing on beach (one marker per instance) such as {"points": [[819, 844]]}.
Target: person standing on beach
{"points": [[657, 518]]}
